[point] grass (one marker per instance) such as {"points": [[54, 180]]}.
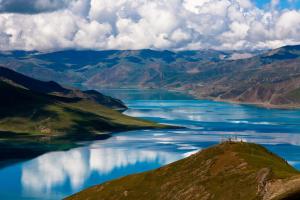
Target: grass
{"points": [[260, 157], [115, 116], [38, 123], [24, 111], [294, 95], [226, 171]]}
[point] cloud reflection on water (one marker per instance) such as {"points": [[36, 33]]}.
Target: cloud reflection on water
{"points": [[55, 169]]}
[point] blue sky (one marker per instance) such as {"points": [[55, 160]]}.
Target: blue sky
{"points": [[283, 4]]}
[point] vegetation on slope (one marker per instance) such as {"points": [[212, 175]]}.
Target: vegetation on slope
{"points": [[25, 111], [231, 170], [33, 121], [52, 88]]}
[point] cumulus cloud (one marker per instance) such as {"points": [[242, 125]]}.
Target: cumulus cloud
{"points": [[138, 24]]}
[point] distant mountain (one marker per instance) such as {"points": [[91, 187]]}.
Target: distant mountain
{"points": [[269, 78], [231, 170], [37, 116], [110, 68]]}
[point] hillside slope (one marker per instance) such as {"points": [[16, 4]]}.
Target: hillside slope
{"points": [[271, 79], [33, 106], [26, 111], [231, 170], [35, 118], [52, 88]]}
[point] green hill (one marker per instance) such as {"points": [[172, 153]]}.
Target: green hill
{"points": [[229, 171], [34, 113], [35, 118]]}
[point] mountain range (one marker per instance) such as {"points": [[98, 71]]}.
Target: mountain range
{"points": [[73, 67], [268, 78]]}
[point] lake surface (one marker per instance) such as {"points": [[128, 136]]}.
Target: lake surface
{"points": [[58, 174]]}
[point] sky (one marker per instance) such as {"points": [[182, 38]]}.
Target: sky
{"points": [[50, 25]]}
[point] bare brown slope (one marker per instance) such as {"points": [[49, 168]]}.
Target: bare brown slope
{"points": [[271, 79], [227, 171], [276, 85]]}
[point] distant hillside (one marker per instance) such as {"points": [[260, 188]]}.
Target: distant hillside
{"points": [[36, 116], [270, 78], [229, 171], [110, 68]]}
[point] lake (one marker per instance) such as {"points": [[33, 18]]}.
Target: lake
{"points": [[58, 174]]}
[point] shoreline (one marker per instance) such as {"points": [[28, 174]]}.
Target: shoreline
{"points": [[258, 104], [198, 97], [15, 149]]}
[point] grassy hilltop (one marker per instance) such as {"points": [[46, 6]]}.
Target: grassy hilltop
{"points": [[231, 170]]}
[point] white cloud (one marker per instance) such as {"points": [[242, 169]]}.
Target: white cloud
{"points": [[288, 25], [158, 24], [245, 3], [274, 3]]}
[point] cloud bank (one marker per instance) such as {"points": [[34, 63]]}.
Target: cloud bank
{"points": [[139, 24]]}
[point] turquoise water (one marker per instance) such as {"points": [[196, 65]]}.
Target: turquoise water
{"points": [[58, 174]]}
